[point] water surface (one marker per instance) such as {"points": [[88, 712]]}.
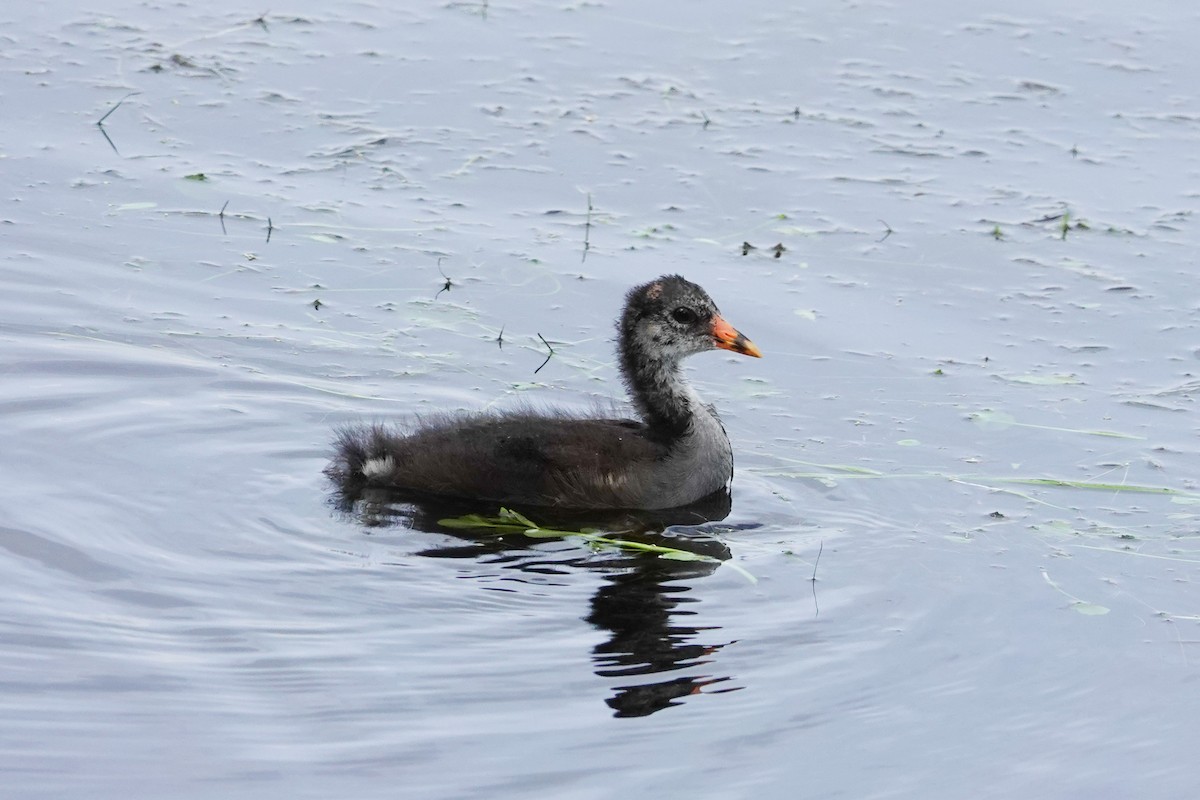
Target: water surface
{"points": [[970, 268]]}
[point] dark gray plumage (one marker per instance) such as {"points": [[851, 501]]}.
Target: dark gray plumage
{"points": [[676, 454]]}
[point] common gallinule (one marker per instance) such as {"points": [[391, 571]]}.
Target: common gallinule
{"points": [[675, 454]]}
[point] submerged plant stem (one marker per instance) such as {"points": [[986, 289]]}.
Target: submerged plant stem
{"points": [[510, 521]]}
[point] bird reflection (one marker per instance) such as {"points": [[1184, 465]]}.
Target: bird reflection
{"points": [[642, 605], [638, 608]]}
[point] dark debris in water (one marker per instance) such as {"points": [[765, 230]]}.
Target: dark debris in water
{"points": [[776, 250]]}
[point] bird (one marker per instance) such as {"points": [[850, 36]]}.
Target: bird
{"points": [[674, 453]]}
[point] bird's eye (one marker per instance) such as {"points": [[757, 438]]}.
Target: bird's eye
{"points": [[684, 315]]}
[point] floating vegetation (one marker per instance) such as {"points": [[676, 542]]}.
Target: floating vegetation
{"points": [[1104, 487], [663, 230], [830, 470], [1054, 379], [832, 474], [998, 420], [326, 238], [510, 521], [1082, 606]]}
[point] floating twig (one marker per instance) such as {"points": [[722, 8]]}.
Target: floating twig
{"points": [[886, 232], [100, 122], [813, 580], [587, 228], [548, 357], [108, 139], [446, 286]]}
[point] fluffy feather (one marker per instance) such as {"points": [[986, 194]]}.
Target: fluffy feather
{"points": [[676, 454]]}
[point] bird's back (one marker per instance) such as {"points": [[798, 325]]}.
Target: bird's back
{"points": [[523, 457]]}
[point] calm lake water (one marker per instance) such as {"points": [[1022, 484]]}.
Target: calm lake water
{"points": [[964, 240]]}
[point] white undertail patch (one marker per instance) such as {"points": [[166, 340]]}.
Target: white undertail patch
{"points": [[378, 467]]}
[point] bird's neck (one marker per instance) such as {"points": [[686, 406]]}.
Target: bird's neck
{"points": [[662, 396]]}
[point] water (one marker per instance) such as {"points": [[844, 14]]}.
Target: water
{"points": [[987, 237]]}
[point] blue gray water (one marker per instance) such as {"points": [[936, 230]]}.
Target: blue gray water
{"points": [[986, 279]]}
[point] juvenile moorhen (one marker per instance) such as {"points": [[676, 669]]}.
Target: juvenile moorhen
{"points": [[675, 454]]}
